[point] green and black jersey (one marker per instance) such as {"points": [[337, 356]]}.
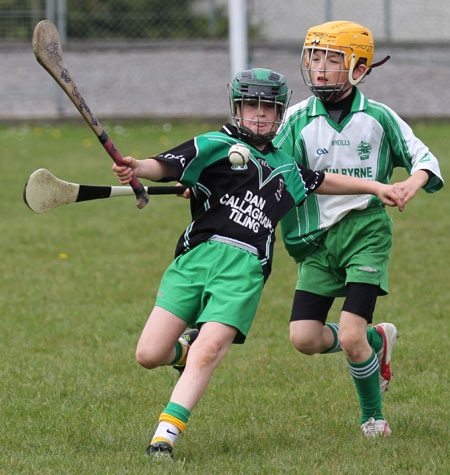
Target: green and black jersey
{"points": [[240, 205]]}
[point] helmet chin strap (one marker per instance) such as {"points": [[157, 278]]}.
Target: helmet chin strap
{"points": [[256, 139]]}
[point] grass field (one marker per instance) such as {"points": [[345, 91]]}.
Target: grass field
{"points": [[78, 282]]}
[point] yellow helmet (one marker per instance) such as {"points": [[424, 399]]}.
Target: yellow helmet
{"points": [[353, 41], [348, 37]]}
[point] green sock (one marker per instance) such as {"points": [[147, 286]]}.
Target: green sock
{"points": [[375, 339], [366, 377], [177, 411], [334, 327], [179, 352]]}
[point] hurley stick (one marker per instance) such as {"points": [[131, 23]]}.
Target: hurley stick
{"points": [[43, 191], [48, 51]]}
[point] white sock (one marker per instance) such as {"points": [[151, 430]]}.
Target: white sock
{"points": [[166, 431]]}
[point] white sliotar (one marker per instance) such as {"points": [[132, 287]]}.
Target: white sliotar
{"points": [[239, 154]]}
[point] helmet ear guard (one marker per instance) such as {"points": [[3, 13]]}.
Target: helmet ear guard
{"points": [[351, 80], [354, 82]]}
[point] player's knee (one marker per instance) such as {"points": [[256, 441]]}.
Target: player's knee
{"points": [[147, 358], [351, 344], [303, 343], [204, 353]]}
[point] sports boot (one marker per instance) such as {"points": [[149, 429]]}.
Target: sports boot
{"points": [[374, 428], [161, 451], [389, 333]]}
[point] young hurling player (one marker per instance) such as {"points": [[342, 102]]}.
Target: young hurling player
{"points": [[343, 242], [224, 256]]}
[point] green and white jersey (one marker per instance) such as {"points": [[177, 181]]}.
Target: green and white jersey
{"points": [[368, 143], [238, 205]]}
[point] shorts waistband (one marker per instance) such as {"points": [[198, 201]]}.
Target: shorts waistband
{"points": [[354, 213], [235, 243]]}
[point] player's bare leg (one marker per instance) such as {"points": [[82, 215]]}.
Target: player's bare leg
{"points": [[353, 337], [210, 346], [156, 345]]}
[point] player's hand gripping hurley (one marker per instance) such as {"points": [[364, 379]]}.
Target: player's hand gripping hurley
{"points": [[48, 51]]}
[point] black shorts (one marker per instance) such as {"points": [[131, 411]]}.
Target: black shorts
{"points": [[360, 299]]}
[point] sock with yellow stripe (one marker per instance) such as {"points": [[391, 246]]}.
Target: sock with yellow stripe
{"points": [[172, 422], [181, 348]]}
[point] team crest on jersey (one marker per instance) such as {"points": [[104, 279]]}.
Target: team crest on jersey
{"points": [[239, 167], [280, 189], [363, 150]]}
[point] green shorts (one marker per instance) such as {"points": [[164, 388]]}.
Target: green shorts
{"points": [[214, 282], [356, 249]]}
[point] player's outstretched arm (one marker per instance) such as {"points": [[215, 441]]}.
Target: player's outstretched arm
{"points": [[148, 168], [335, 184]]}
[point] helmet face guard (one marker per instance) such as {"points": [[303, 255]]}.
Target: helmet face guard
{"points": [[258, 86], [329, 91], [353, 41]]}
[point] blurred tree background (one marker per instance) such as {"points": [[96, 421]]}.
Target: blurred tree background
{"points": [[141, 19], [118, 19]]}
